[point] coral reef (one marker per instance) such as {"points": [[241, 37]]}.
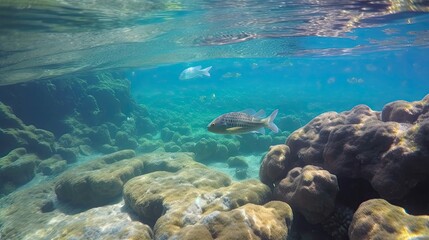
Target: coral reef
{"points": [[310, 190], [180, 200], [270, 221], [273, 167], [361, 143], [33, 213], [92, 224], [16, 169], [237, 162], [99, 181], [377, 219], [52, 165], [15, 134], [98, 112]]}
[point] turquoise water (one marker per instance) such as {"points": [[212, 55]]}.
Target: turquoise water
{"points": [[94, 119]]}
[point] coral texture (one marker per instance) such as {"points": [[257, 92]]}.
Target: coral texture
{"points": [[273, 165], [175, 202], [99, 181], [310, 190], [389, 149], [378, 219]]}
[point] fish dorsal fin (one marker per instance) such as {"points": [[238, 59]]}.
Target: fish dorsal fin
{"points": [[261, 131], [249, 111], [198, 67], [260, 114]]}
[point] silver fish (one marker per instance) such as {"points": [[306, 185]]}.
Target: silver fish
{"points": [[194, 72], [246, 121]]}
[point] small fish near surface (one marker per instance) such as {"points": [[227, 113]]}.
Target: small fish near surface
{"points": [[247, 121], [194, 72]]}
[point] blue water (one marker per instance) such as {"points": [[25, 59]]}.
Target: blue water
{"points": [[96, 74]]}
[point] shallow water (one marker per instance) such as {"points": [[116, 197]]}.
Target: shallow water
{"points": [[82, 80]]}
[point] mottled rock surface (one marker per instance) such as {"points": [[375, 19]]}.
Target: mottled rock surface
{"points": [[173, 202], [273, 165], [16, 169], [389, 149], [310, 190], [15, 134], [270, 221], [378, 219], [99, 181], [107, 222]]}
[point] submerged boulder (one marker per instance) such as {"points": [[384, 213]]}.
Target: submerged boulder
{"points": [[99, 181], [389, 149], [270, 221], [180, 204], [273, 167], [15, 134], [52, 165], [310, 190], [378, 219], [16, 169]]}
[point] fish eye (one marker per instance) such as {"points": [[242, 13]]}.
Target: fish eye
{"points": [[212, 124]]}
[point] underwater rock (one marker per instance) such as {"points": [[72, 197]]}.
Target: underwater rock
{"points": [[241, 173], [173, 202], [82, 111], [16, 168], [16, 134], [310, 190], [124, 141], [68, 154], [273, 167], [406, 112], [270, 221], [107, 222], [237, 161], [106, 100], [232, 145], [69, 141], [27, 213], [176, 137], [378, 219], [254, 142], [47, 206], [171, 147], [99, 181], [145, 125], [52, 165], [166, 134], [221, 152], [89, 109], [205, 149], [392, 156], [107, 149], [43, 103], [188, 147], [100, 135], [21, 211], [8, 118], [170, 162], [147, 145], [185, 139]]}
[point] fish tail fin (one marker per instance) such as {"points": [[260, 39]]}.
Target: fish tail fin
{"points": [[270, 121], [206, 70]]}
